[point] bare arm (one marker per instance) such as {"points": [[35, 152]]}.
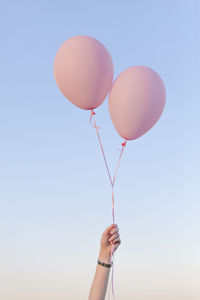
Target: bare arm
{"points": [[100, 282]]}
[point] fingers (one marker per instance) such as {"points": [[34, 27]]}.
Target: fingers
{"points": [[116, 241], [116, 246], [109, 228], [114, 236], [113, 230]]}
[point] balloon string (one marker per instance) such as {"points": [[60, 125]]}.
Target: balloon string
{"points": [[97, 130], [112, 182]]}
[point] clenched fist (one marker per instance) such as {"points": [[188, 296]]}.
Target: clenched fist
{"points": [[109, 237]]}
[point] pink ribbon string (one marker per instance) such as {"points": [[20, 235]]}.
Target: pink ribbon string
{"points": [[112, 182]]}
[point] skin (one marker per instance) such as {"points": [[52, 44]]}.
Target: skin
{"points": [[99, 285]]}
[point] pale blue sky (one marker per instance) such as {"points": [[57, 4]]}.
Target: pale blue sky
{"points": [[55, 197]]}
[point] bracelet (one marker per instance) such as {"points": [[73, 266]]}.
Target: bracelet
{"points": [[104, 264]]}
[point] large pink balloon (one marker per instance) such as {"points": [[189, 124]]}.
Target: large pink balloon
{"points": [[136, 101], [83, 71]]}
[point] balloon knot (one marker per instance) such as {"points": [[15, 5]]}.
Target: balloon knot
{"points": [[92, 114], [124, 143]]}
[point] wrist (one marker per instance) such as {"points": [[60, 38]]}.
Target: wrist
{"points": [[104, 256]]}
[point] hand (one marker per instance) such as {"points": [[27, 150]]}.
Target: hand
{"points": [[109, 237]]}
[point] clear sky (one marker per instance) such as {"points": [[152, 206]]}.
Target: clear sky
{"points": [[55, 196]]}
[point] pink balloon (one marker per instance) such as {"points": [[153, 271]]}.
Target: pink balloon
{"points": [[83, 70], [136, 101]]}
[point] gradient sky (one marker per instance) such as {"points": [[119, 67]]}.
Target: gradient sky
{"points": [[55, 196]]}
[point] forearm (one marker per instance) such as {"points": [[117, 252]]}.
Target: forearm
{"points": [[100, 282]]}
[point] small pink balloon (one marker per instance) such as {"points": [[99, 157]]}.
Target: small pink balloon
{"points": [[136, 101], [83, 70]]}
